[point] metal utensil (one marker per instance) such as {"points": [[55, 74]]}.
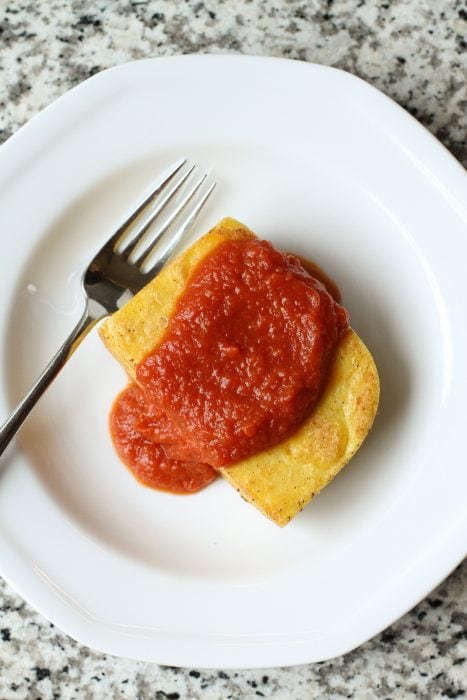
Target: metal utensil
{"points": [[125, 264]]}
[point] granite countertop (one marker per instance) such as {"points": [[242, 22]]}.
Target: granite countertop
{"points": [[417, 54]]}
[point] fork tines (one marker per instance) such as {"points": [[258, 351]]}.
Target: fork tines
{"points": [[175, 200]]}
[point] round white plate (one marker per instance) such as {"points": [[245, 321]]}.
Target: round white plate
{"points": [[322, 165]]}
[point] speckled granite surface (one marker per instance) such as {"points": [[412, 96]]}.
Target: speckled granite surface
{"points": [[415, 52]]}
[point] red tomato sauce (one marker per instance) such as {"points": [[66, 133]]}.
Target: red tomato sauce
{"points": [[146, 459], [240, 366]]}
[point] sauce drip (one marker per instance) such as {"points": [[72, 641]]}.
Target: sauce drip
{"points": [[240, 366], [146, 459]]}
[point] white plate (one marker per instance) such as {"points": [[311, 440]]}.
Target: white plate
{"points": [[323, 165]]}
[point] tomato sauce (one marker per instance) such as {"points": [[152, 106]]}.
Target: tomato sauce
{"points": [[240, 366], [146, 459], [318, 273]]}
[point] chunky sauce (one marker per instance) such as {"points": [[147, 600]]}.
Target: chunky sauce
{"points": [[240, 366]]}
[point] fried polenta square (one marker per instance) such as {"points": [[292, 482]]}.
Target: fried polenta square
{"points": [[282, 480]]}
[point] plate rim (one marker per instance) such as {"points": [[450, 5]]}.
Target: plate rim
{"points": [[83, 632]]}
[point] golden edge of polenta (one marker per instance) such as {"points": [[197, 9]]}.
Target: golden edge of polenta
{"points": [[136, 329], [282, 480]]}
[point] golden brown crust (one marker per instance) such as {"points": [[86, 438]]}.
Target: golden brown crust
{"points": [[282, 480], [279, 481]]}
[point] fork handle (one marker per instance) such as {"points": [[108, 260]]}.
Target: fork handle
{"points": [[21, 412]]}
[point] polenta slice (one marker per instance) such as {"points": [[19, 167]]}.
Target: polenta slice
{"points": [[281, 480]]}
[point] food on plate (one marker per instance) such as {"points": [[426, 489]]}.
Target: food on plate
{"points": [[240, 363], [281, 481]]}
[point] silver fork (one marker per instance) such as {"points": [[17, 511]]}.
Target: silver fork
{"points": [[124, 264]]}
